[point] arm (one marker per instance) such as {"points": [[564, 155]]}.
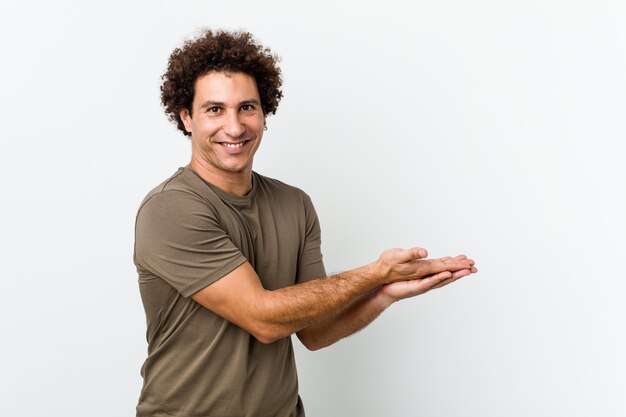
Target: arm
{"points": [[270, 315], [364, 311]]}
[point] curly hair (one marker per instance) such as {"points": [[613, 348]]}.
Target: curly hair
{"points": [[218, 51]]}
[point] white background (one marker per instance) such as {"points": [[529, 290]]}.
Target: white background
{"points": [[492, 128]]}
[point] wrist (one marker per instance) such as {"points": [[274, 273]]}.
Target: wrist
{"points": [[377, 272], [381, 299]]}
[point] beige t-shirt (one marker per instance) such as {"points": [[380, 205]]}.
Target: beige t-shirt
{"points": [[188, 235]]}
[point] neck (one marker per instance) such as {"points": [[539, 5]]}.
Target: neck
{"points": [[238, 183]]}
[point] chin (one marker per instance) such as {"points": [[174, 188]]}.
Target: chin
{"points": [[237, 169]]}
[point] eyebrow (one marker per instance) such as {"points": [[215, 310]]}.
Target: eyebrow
{"points": [[211, 103]]}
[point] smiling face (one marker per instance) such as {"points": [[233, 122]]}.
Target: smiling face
{"points": [[226, 127]]}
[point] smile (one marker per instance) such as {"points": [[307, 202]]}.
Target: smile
{"points": [[234, 145]]}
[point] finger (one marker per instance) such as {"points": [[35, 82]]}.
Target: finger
{"points": [[411, 288], [462, 273], [444, 283], [455, 276], [435, 266], [464, 257], [433, 280]]}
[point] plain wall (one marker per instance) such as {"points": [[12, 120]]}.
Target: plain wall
{"points": [[491, 128]]}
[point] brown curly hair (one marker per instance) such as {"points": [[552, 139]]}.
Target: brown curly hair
{"points": [[218, 51]]}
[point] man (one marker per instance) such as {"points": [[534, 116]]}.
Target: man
{"points": [[229, 261]]}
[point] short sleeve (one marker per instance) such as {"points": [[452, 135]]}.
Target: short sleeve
{"points": [[179, 238], [311, 264]]}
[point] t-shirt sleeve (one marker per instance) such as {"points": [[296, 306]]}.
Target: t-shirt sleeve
{"points": [[179, 239], [311, 264]]}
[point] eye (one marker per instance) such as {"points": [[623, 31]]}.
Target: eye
{"points": [[213, 109], [247, 107]]}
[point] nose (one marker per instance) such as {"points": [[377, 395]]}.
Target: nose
{"points": [[233, 126]]}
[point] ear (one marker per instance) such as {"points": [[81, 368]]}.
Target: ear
{"points": [[186, 118]]}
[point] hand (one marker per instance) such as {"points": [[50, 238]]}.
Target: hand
{"points": [[408, 264], [404, 289]]}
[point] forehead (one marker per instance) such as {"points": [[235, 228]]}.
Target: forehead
{"points": [[226, 87]]}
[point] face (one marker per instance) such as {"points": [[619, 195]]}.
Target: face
{"points": [[227, 123]]}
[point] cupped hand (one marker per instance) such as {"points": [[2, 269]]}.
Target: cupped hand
{"points": [[409, 264], [410, 288]]}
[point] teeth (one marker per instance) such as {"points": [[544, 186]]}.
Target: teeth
{"points": [[233, 145]]}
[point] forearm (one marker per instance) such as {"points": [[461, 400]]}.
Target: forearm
{"points": [[366, 310], [240, 298], [349, 321], [287, 310]]}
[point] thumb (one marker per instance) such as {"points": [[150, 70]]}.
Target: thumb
{"points": [[414, 254]]}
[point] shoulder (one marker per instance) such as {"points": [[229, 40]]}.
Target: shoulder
{"points": [[183, 189], [280, 190], [179, 203], [176, 208]]}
